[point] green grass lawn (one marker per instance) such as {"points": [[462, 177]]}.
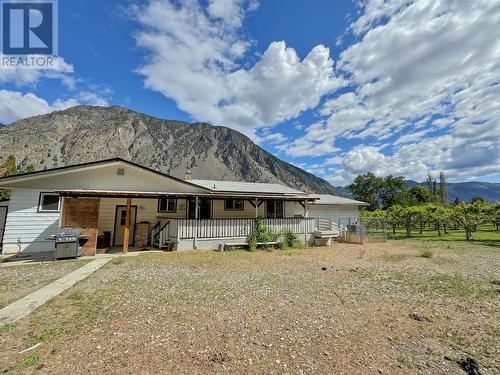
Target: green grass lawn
{"points": [[486, 235]]}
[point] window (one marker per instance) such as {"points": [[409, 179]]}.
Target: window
{"points": [[274, 209], [49, 202], [167, 204], [234, 205]]}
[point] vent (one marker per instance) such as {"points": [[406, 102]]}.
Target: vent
{"points": [[120, 172]]}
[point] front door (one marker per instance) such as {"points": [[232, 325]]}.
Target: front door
{"points": [[205, 208], [120, 224]]}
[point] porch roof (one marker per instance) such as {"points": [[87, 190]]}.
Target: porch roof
{"points": [[149, 194]]}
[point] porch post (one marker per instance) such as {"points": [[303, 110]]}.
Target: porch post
{"points": [[126, 229], [306, 215], [196, 215], [256, 208]]}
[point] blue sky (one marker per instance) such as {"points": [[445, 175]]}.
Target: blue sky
{"points": [[338, 88]]}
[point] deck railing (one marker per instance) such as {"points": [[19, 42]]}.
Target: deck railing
{"points": [[225, 228]]}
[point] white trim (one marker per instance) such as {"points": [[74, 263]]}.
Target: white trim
{"points": [[40, 199]]}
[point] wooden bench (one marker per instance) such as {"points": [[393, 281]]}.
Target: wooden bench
{"points": [[222, 247]]}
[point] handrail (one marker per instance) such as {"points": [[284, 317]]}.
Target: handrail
{"points": [[155, 234]]}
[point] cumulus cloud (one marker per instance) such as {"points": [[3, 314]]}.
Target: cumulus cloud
{"points": [[194, 55], [15, 105], [30, 77], [424, 76]]}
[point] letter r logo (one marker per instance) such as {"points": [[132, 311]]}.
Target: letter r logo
{"points": [[27, 27]]}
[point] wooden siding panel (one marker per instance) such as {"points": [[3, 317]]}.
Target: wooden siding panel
{"points": [[82, 214]]}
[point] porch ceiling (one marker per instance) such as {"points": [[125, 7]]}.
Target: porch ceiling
{"points": [[149, 194]]}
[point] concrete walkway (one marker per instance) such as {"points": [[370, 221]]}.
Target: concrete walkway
{"points": [[26, 305]]}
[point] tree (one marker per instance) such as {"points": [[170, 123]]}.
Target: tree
{"points": [[409, 217], [10, 166], [393, 217], [443, 190], [437, 215], [366, 187], [392, 191], [478, 199], [469, 216], [418, 195]]}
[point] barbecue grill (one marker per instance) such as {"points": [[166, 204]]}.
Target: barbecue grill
{"points": [[67, 244]]}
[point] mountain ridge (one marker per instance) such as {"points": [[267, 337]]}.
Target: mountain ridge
{"points": [[464, 191], [86, 133]]}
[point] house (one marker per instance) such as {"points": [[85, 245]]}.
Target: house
{"points": [[117, 203]]}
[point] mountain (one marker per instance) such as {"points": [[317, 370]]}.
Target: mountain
{"points": [[465, 191], [84, 133]]}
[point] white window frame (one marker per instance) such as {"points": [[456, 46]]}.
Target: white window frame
{"points": [[40, 202]]}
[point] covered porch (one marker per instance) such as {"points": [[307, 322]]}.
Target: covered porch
{"points": [[142, 220]]}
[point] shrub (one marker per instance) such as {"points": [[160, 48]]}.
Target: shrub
{"points": [[426, 253], [290, 239], [261, 233]]}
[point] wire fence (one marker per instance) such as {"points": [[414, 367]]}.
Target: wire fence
{"points": [[356, 229]]}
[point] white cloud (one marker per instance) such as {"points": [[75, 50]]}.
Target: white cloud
{"points": [[273, 138], [425, 75], [15, 105], [30, 77], [193, 58]]}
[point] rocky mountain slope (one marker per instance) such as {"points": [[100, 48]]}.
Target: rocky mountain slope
{"points": [[84, 133]]}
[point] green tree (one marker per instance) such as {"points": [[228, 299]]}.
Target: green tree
{"points": [[437, 215], [443, 190], [10, 166], [393, 217], [469, 216], [393, 191], [410, 217], [30, 168], [366, 187], [478, 199], [418, 195]]}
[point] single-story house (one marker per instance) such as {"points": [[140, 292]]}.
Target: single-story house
{"points": [[117, 203]]}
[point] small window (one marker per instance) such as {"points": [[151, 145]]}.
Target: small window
{"points": [[167, 204], [49, 202], [234, 205]]}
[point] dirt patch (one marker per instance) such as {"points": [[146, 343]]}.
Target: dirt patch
{"points": [[18, 281], [343, 309]]}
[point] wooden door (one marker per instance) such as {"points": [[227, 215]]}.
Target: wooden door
{"points": [[120, 225]]}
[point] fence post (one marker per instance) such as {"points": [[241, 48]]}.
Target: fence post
{"points": [[195, 234]]}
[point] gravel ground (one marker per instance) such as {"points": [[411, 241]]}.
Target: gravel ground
{"points": [[345, 309], [19, 281]]}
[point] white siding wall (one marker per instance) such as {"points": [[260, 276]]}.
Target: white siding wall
{"points": [[26, 229], [316, 210], [107, 178]]}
